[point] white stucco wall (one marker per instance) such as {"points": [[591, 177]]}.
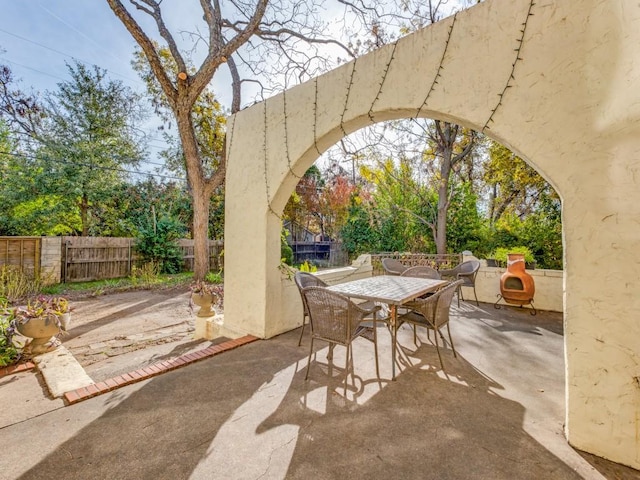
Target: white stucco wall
{"points": [[572, 109]]}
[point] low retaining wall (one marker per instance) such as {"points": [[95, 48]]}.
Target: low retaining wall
{"points": [[549, 287], [548, 296]]}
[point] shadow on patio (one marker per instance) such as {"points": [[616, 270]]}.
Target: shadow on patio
{"points": [[496, 413]]}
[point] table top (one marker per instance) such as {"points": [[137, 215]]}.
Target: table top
{"points": [[389, 289]]}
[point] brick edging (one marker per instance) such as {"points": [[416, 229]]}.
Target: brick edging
{"points": [[20, 367], [80, 394]]}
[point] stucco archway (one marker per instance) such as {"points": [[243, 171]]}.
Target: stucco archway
{"points": [[554, 81]]}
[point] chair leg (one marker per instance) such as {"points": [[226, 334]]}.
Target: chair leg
{"points": [[474, 294], [346, 368], [304, 322], [375, 344], [459, 292], [451, 341], [435, 334], [306, 376]]}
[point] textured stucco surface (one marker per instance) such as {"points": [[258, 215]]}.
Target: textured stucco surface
{"points": [[572, 110]]}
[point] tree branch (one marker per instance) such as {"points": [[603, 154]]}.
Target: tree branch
{"points": [[148, 48]]}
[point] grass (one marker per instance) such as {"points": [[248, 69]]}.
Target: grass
{"points": [[101, 287]]}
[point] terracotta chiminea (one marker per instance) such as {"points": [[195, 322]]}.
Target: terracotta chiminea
{"points": [[516, 285]]}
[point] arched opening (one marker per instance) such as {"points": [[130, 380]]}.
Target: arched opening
{"points": [[548, 103]]}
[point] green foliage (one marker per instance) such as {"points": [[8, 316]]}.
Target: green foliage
{"points": [[463, 221], [307, 267], [286, 252], [358, 234], [9, 352], [501, 254], [146, 275], [215, 278], [157, 242]]}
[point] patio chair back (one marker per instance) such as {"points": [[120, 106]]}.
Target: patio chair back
{"points": [[467, 272], [392, 266], [336, 319], [421, 272], [303, 280]]}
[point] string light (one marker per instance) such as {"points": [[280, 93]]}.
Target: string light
{"points": [[440, 66], [266, 178], [384, 77], [315, 117], [513, 66], [286, 134], [346, 101]]}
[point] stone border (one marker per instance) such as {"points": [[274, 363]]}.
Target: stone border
{"points": [[95, 389], [20, 367]]}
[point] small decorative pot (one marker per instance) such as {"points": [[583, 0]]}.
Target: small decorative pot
{"points": [[43, 331], [205, 302]]}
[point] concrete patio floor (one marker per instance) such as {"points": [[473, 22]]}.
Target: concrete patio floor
{"points": [[497, 413]]}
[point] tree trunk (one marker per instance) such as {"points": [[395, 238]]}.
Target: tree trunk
{"points": [[84, 215], [443, 201], [200, 191]]}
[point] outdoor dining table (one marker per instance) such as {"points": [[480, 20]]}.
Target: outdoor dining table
{"points": [[392, 290]]}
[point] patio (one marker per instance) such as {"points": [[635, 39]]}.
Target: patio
{"points": [[498, 412]]}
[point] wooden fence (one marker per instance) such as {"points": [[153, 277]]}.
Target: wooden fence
{"points": [[97, 258], [22, 253], [79, 259]]}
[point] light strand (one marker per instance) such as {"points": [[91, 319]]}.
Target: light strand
{"points": [[384, 78], [286, 135], [266, 178], [440, 66], [315, 117], [346, 101], [513, 66]]}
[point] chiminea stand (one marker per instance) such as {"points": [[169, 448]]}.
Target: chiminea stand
{"points": [[533, 310]]}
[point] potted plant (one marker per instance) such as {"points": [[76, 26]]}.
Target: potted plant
{"points": [[44, 320], [9, 352], [206, 296], [500, 256]]}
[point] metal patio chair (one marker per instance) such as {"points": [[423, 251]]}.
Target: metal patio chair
{"points": [[467, 272], [433, 313], [392, 266], [334, 318], [303, 280], [421, 272]]}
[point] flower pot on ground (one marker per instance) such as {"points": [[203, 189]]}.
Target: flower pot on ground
{"points": [[43, 320], [206, 296]]}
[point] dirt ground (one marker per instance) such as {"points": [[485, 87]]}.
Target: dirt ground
{"points": [[119, 332]]}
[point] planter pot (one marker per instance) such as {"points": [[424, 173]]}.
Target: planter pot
{"points": [[205, 302], [65, 319], [43, 331], [492, 262]]}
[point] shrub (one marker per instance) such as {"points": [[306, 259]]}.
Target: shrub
{"points": [[9, 353], [15, 284], [214, 277], [159, 243], [501, 253], [146, 275], [307, 267]]}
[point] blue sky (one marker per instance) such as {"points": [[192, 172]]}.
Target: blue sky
{"points": [[39, 36]]}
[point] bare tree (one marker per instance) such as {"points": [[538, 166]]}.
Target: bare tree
{"points": [[237, 32]]}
